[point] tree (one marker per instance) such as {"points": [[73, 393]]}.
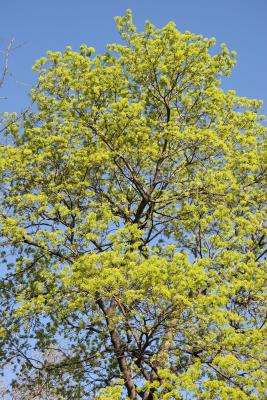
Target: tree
{"points": [[4, 70], [4, 73], [132, 224]]}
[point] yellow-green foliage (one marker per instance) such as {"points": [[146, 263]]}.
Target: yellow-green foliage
{"points": [[132, 214]]}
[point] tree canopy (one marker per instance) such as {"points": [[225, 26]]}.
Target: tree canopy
{"points": [[132, 224]]}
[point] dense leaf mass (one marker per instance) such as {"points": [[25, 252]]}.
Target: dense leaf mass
{"points": [[132, 223]]}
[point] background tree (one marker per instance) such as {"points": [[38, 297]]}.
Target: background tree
{"points": [[4, 59], [4, 69], [4, 74], [132, 224]]}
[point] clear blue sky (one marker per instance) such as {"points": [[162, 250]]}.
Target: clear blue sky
{"points": [[39, 26], [52, 24]]}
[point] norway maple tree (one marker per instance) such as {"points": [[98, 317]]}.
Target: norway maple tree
{"points": [[132, 225]]}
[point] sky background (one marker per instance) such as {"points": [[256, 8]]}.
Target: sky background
{"points": [[38, 26]]}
